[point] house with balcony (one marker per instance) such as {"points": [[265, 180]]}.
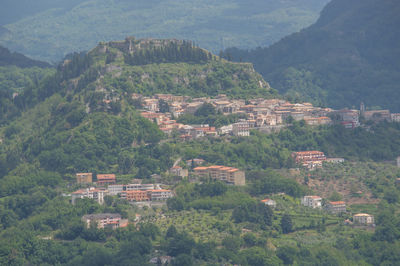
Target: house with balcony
{"points": [[314, 202], [106, 179], [309, 159], [336, 207], [92, 193]]}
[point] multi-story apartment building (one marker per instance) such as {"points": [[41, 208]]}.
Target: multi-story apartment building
{"points": [[312, 201], [227, 174], [336, 207], [147, 195], [160, 194], [104, 220], [241, 128], [114, 190], [105, 179], [91, 193], [309, 159], [137, 195]]}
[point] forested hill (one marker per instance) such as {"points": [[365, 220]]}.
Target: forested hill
{"points": [[83, 117], [351, 54], [50, 29], [8, 58]]}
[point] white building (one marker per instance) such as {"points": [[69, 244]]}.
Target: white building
{"points": [[224, 130], [312, 201], [395, 117], [103, 220], [160, 194], [269, 202], [241, 129], [91, 193], [114, 190], [139, 187], [363, 218]]}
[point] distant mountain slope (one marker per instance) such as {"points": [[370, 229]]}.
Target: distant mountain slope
{"points": [[14, 10], [48, 30], [351, 54], [16, 59]]}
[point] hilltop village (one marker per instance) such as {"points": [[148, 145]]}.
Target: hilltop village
{"points": [[265, 115]]}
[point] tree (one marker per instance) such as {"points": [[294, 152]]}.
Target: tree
{"points": [[171, 232], [182, 243], [287, 254], [286, 224], [163, 106], [232, 243], [391, 195], [183, 260], [335, 196], [206, 109], [175, 203]]}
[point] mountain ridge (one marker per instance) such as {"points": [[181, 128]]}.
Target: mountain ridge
{"points": [[349, 55], [8, 58], [54, 32]]}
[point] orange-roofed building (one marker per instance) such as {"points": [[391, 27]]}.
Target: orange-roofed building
{"points": [[223, 173], [106, 179], [137, 195]]}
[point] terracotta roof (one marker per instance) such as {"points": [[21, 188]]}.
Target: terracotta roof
{"points": [[200, 168], [337, 202], [159, 190], [362, 215], [215, 167], [106, 176]]}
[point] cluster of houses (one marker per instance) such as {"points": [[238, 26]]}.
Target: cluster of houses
{"points": [[312, 159], [131, 192], [337, 207], [315, 202], [266, 115], [261, 114]]}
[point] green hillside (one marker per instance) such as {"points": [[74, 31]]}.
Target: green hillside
{"points": [[8, 58], [81, 117], [48, 30], [351, 54]]}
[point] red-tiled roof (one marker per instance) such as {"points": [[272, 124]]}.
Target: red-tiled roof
{"points": [[105, 176], [337, 202]]}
